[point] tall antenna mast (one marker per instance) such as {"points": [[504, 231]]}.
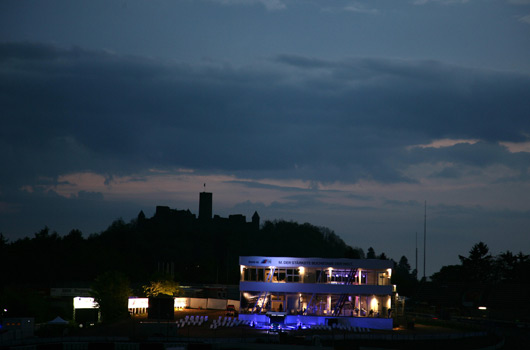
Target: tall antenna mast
{"points": [[424, 239], [416, 254]]}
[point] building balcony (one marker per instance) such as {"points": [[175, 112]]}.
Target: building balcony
{"points": [[324, 288]]}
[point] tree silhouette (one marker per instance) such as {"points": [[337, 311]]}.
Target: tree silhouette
{"points": [[111, 292], [509, 267], [354, 253], [478, 266], [402, 277], [166, 287], [403, 264], [3, 240]]}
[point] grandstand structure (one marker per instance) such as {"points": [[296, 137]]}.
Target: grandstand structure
{"points": [[307, 292]]}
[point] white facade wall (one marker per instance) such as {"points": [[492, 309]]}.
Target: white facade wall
{"points": [[216, 304], [206, 303], [198, 303], [181, 303]]}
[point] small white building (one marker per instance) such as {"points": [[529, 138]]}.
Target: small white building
{"points": [[316, 291]]}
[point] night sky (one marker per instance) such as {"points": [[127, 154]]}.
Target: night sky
{"points": [[344, 114]]}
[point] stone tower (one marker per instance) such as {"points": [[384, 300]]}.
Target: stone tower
{"points": [[205, 206]]}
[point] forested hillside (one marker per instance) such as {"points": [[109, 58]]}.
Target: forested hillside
{"points": [[198, 254]]}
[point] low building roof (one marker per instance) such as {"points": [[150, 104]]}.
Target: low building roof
{"points": [[293, 262]]}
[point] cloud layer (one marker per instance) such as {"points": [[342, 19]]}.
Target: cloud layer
{"points": [[75, 110]]}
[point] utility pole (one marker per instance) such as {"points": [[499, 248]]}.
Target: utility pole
{"points": [[424, 239]]}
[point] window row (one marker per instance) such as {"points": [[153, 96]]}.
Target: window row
{"points": [[306, 275], [271, 275]]}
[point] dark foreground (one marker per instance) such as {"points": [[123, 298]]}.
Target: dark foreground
{"points": [[140, 334]]}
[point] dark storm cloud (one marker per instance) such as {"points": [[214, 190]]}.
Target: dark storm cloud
{"points": [[255, 184], [478, 155], [430, 97], [71, 110], [28, 212]]}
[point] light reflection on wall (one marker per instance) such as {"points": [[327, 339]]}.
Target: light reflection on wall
{"points": [[181, 303], [137, 303], [85, 303]]}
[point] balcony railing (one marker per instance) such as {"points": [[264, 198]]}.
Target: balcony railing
{"points": [[341, 277]]}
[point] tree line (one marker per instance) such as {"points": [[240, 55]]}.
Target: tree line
{"points": [[128, 257]]}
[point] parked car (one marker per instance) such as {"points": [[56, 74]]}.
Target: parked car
{"points": [[231, 310]]}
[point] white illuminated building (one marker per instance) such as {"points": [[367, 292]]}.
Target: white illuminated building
{"points": [[316, 291], [85, 303]]}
